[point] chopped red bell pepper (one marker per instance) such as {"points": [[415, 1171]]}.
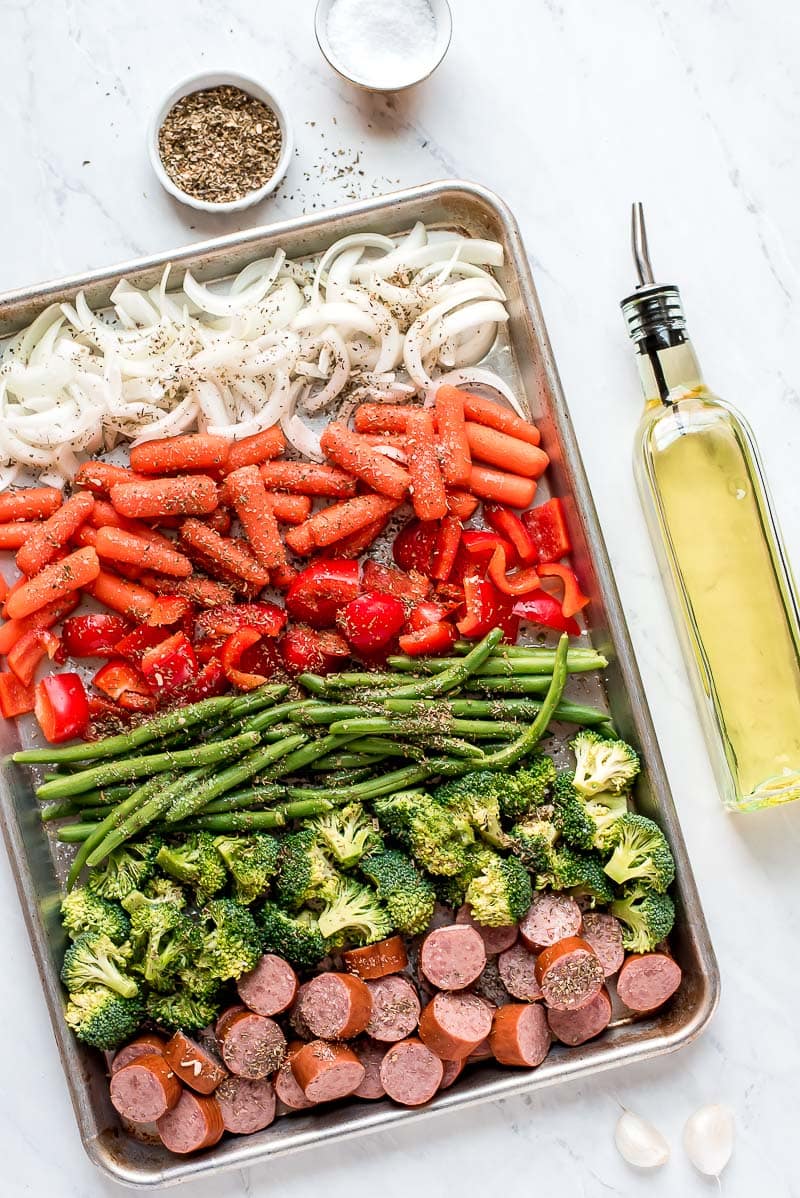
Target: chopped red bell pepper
{"points": [[509, 525], [96, 635], [267, 618], [547, 526], [448, 539], [432, 639], [171, 664], [320, 591], [429, 612], [391, 581], [574, 599], [543, 609], [167, 610], [307, 650], [209, 649], [232, 653], [210, 681], [371, 621], [134, 646], [480, 545], [62, 707], [487, 608], [105, 718], [123, 683], [15, 699], [521, 582], [31, 648], [415, 544]]}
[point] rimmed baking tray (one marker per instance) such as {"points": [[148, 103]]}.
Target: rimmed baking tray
{"points": [[477, 212]]}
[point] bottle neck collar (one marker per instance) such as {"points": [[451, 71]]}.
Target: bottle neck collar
{"points": [[671, 373]]}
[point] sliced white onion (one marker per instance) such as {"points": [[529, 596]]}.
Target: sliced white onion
{"points": [[8, 475], [475, 250], [475, 376], [300, 435], [339, 374]]}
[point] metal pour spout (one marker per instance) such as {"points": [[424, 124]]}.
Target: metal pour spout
{"points": [[639, 246]]}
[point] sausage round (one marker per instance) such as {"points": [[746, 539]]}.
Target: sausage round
{"points": [[490, 984], [377, 960], [335, 1006], [145, 1089], [370, 1054], [326, 1071], [604, 932], [495, 940], [195, 1066], [453, 1025], [452, 957], [576, 1027], [224, 1019], [411, 1073], [142, 1046], [247, 1104], [569, 974], [395, 1009], [270, 988], [252, 1045], [550, 917], [296, 1021], [195, 1123], [287, 1089], [520, 1035], [483, 1052], [517, 968], [647, 980], [451, 1071]]}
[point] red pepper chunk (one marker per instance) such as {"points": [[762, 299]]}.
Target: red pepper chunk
{"points": [[95, 635], [480, 545], [544, 609], [430, 640], [414, 546], [574, 599], [320, 591], [371, 621], [15, 698], [171, 664], [305, 650], [232, 651], [522, 582], [509, 525], [62, 707], [31, 648], [547, 526], [123, 683], [487, 608]]}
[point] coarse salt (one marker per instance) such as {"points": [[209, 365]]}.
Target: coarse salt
{"points": [[384, 42]]}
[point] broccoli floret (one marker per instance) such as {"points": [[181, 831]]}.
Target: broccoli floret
{"points": [[95, 960], [83, 911], [297, 939], [603, 810], [347, 833], [126, 869], [198, 982], [526, 787], [103, 1018], [233, 945], [501, 893], [603, 764], [640, 850], [533, 840], [184, 1011], [594, 887], [305, 875], [569, 868], [196, 863], [437, 837], [354, 915], [164, 939], [647, 918], [408, 895], [473, 798], [165, 889], [251, 861], [569, 814]]}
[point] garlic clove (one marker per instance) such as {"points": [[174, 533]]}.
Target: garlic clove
{"points": [[639, 1143], [708, 1138]]}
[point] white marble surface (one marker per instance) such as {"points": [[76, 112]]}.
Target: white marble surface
{"points": [[569, 110]]}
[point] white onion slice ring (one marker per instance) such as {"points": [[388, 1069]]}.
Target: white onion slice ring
{"points": [[475, 376]]}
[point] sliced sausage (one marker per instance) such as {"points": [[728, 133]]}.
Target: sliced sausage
{"points": [[326, 1071], [411, 1073], [452, 1070], [482, 1052], [335, 1006], [142, 1046], [296, 1021], [252, 1045], [490, 984], [145, 1133], [370, 1054], [550, 917], [270, 988], [569, 973], [377, 960], [195, 1123], [604, 932], [452, 957], [247, 1104], [287, 1088], [145, 1089], [224, 1019], [576, 1027], [454, 1024], [520, 1035], [517, 967], [647, 980], [395, 1009], [197, 1068], [495, 940]]}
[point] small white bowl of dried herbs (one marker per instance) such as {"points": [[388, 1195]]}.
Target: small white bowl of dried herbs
{"points": [[220, 142]]}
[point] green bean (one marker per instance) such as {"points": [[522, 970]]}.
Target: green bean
{"points": [[410, 775], [75, 833], [255, 700], [57, 811], [345, 761], [146, 814], [302, 758], [452, 678], [537, 661], [240, 800], [436, 721], [376, 745], [106, 797], [267, 719], [255, 821], [346, 680], [190, 802], [347, 777], [517, 684], [327, 713], [501, 709]]}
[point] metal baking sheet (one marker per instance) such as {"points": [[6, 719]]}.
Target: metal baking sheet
{"points": [[477, 212]]}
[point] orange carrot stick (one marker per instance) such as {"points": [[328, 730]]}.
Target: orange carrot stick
{"points": [[289, 509], [127, 598], [261, 447], [246, 491], [300, 540], [202, 591], [105, 515], [455, 448], [494, 415], [13, 535], [391, 440], [223, 551], [342, 519], [187, 495], [306, 478], [173, 455], [32, 503], [45, 617], [382, 417], [121, 546], [43, 545], [74, 571], [357, 542], [510, 453], [348, 450], [510, 489], [427, 488], [461, 504], [100, 477]]}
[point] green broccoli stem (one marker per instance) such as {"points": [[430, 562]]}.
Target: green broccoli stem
{"points": [[112, 746], [535, 661], [142, 767], [191, 802], [499, 709], [257, 821], [146, 814], [453, 677], [371, 789]]}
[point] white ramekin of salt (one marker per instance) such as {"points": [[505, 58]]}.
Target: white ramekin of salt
{"points": [[384, 45]]}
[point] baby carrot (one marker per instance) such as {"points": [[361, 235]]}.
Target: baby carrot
{"points": [[186, 495], [74, 571], [461, 504], [121, 546], [224, 552], [494, 415], [105, 515], [427, 488], [357, 542], [246, 491], [453, 443], [45, 617], [510, 489], [382, 417], [172, 455], [300, 540], [347, 450], [391, 440], [202, 591], [100, 477], [251, 451], [289, 509], [125, 597], [13, 535], [43, 545], [510, 453], [220, 521], [32, 503], [343, 519], [306, 478]]}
